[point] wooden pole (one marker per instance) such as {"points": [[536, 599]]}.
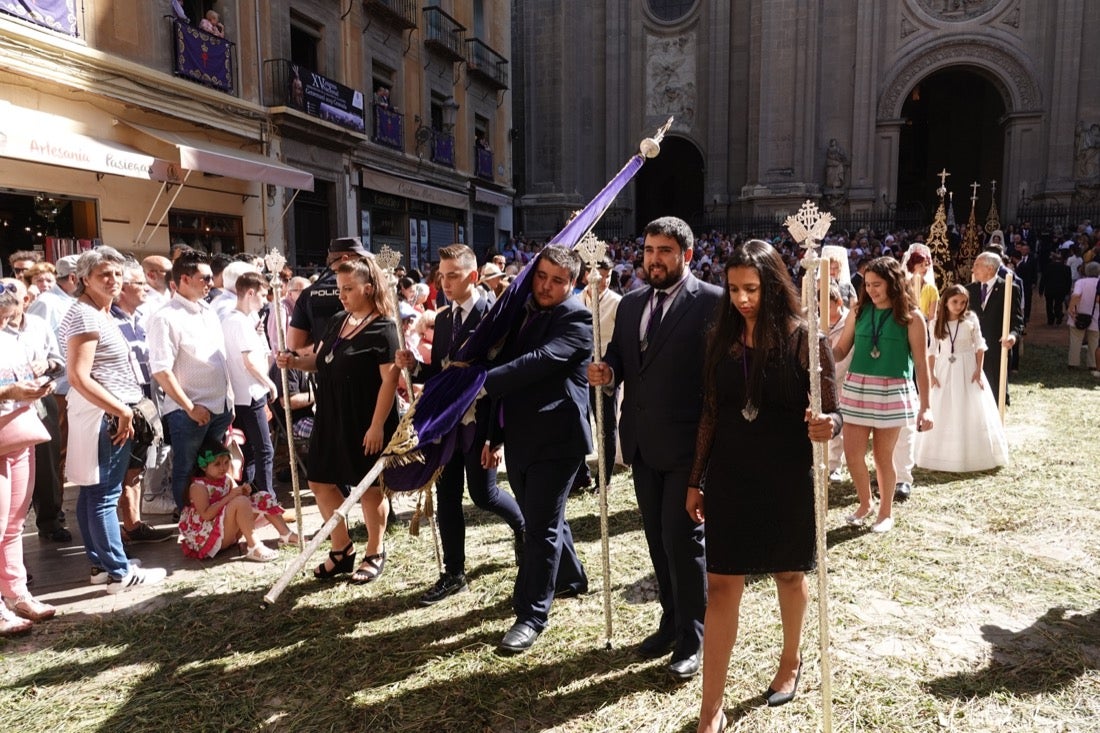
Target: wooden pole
{"points": [[1006, 327]]}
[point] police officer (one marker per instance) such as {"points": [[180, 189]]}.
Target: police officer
{"points": [[320, 301]]}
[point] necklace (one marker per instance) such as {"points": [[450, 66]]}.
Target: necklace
{"points": [[357, 325], [749, 411], [877, 324], [953, 336]]}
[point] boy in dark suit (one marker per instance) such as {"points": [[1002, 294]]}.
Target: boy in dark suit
{"points": [[540, 397], [453, 324]]}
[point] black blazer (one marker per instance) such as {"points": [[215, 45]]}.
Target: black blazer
{"points": [[663, 398], [539, 386]]}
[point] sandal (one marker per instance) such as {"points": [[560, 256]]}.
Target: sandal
{"points": [[261, 553], [342, 562], [30, 608], [290, 538], [371, 567]]}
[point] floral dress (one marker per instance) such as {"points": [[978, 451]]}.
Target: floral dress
{"points": [[202, 538]]}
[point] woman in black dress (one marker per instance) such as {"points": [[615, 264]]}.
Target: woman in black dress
{"points": [[356, 410], [754, 460]]}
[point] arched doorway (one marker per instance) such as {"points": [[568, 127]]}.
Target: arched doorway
{"points": [[953, 120], [670, 184]]}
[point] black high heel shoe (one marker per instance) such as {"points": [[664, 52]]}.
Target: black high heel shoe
{"points": [[343, 561], [775, 699]]}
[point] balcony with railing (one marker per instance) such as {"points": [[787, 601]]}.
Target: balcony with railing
{"points": [[389, 127], [486, 64], [203, 57], [443, 34], [443, 148], [483, 163], [399, 13]]}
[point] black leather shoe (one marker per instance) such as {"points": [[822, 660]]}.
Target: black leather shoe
{"points": [[57, 535], [656, 645], [447, 585], [684, 668], [519, 638], [902, 491], [775, 699], [571, 591]]}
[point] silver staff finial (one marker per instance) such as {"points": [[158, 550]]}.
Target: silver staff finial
{"points": [[809, 226]]}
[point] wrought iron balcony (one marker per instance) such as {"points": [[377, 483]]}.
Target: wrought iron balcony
{"points": [[443, 34], [389, 128], [483, 163], [203, 57], [292, 85], [487, 64], [400, 13]]}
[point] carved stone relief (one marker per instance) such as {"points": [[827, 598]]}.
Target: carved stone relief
{"points": [[670, 78], [957, 10]]}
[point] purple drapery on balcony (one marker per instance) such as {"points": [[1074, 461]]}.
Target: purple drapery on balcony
{"points": [[204, 58], [58, 15], [387, 127]]}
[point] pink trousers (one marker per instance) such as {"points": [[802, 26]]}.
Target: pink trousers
{"points": [[16, 489]]}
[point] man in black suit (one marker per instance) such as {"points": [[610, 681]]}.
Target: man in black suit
{"points": [[657, 352], [458, 273], [987, 300], [540, 396], [1027, 272]]}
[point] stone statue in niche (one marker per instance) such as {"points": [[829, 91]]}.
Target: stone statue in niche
{"points": [[836, 167], [1087, 152]]}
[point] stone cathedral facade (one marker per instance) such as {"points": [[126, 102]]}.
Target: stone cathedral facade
{"points": [[854, 103]]}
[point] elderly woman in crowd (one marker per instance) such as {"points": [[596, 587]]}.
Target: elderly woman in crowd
{"points": [[1083, 302], [18, 420], [104, 389]]}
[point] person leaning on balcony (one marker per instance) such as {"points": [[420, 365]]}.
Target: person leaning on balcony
{"points": [[212, 24], [382, 98]]}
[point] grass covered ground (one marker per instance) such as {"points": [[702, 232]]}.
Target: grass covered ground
{"points": [[979, 612]]}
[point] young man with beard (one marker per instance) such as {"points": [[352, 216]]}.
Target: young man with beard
{"points": [[657, 352]]}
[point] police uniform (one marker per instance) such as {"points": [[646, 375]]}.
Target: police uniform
{"points": [[316, 306]]}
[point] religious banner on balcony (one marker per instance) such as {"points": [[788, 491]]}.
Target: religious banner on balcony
{"points": [[484, 164], [203, 57], [443, 149], [388, 127], [322, 97], [58, 15]]}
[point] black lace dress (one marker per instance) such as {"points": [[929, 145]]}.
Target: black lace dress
{"points": [[757, 475]]}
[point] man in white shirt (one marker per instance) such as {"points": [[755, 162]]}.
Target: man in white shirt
{"points": [[187, 359], [247, 354], [157, 271]]}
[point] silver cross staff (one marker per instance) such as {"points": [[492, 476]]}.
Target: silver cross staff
{"points": [[274, 262], [388, 259], [591, 250], [808, 227]]}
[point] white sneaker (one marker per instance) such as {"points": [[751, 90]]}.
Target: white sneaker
{"points": [[10, 624], [137, 578], [883, 525], [99, 575]]}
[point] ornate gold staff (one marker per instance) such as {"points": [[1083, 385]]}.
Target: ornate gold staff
{"points": [[591, 250], [274, 262], [808, 227], [388, 259]]}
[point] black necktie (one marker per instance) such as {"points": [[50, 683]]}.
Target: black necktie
{"points": [[655, 316], [985, 293]]}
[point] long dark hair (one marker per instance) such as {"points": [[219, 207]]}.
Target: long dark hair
{"points": [[901, 299], [942, 314], [777, 316]]}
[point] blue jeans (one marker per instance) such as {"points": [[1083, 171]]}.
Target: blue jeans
{"points": [[187, 436], [97, 508], [259, 454]]}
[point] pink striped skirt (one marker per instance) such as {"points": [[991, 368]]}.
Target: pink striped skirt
{"points": [[878, 402]]}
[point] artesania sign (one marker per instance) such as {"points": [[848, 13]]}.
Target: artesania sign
{"points": [[37, 137]]}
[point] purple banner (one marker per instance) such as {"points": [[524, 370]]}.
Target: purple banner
{"points": [[203, 57], [57, 15], [483, 167], [322, 97], [389, 127], [443, 149]]}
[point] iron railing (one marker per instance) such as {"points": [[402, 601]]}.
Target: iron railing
{"points": [[484, 62], [443, 34], [401, 13]]}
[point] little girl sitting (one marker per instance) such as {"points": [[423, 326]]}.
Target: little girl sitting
{"points": [[220, 512]]}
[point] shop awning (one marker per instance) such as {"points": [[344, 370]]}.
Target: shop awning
{"points": [[40, 137], [207, 157]]}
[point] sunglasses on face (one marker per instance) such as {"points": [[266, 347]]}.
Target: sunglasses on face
{"points": [[9, 288]]}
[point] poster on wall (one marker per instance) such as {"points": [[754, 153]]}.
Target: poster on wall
{"points": [[461, 234], [424, 258], [364, 227], [414, 246], [322, 97]]}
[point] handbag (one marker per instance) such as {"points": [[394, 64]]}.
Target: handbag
{"points": [[148, 428], [1083, 320], [21, 429]]}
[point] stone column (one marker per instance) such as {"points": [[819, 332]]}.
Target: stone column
{"points": [[1021, 154], [1065, 58], [887, 145]]}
